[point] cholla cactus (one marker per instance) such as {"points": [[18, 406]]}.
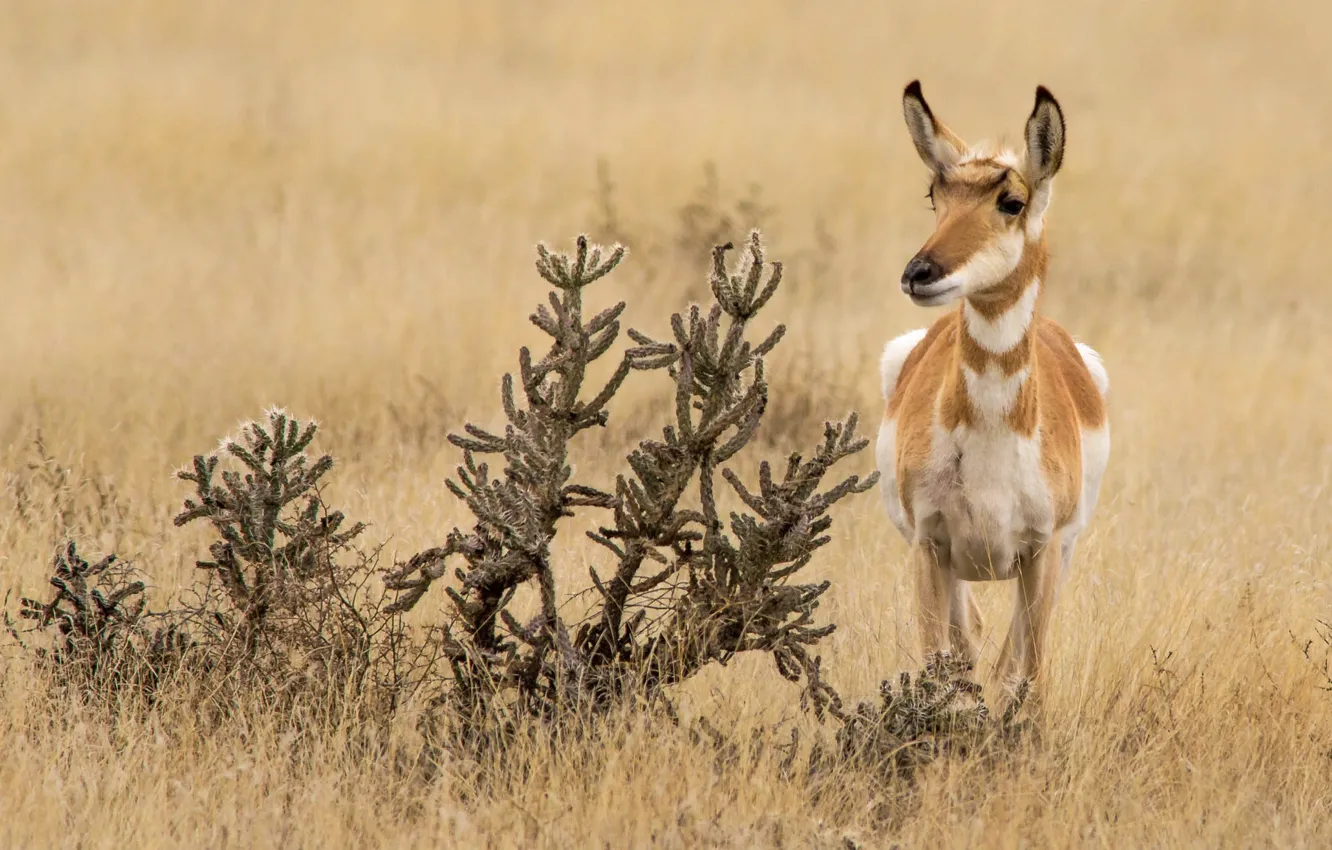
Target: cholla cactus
{"points": [[289, 602], [733, 596], [516, 515], [103, 643], [87, 616], [938, 712], [276, 537], [710, 594], [289, 607]]}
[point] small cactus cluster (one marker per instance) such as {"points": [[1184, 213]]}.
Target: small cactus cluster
{"points": [[277, 541], [939, 711], [103, 639]]}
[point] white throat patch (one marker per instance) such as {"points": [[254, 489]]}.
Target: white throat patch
{"points": [[1006, 330], [992, 392]]}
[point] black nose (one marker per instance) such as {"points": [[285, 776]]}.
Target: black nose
{"points": [[921, 271]]}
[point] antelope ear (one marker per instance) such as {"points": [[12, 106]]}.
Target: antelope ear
{"points": [[938, 146], [1045, 138]]}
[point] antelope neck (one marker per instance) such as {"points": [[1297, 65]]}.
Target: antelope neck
{"points": [[995, 376]]}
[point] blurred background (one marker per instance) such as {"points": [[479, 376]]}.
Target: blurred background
{"points": [[325, 190]]}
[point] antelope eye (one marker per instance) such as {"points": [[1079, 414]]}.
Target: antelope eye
{"points": [[1010, 206]]}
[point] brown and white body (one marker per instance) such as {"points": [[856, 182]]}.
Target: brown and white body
{"points": [[995, 437]]}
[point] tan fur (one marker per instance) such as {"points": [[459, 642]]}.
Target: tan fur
{"points": [[912, 404], [963, 223], [1087, 401], [1059, 399]]}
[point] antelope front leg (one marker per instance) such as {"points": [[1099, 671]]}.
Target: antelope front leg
{"points": [[965, 620], [1024, 650], [933, 598]]}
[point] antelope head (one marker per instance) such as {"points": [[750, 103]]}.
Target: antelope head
{"points": [[989, 206]]}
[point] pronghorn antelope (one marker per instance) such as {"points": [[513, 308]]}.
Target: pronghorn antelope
{"points": [[995, 435]]}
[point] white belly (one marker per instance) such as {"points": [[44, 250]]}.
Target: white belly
{"points": [[984, 500]]}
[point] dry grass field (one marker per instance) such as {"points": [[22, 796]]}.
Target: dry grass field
{"points": [[210, 207]]}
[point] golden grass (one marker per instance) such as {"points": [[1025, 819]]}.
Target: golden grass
{"points": [[209, 208]]}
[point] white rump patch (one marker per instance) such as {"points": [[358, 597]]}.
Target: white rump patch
{"points": [[1096, 366], [1095, 458], [885, 455], [1006, 330], [894, 355]]}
